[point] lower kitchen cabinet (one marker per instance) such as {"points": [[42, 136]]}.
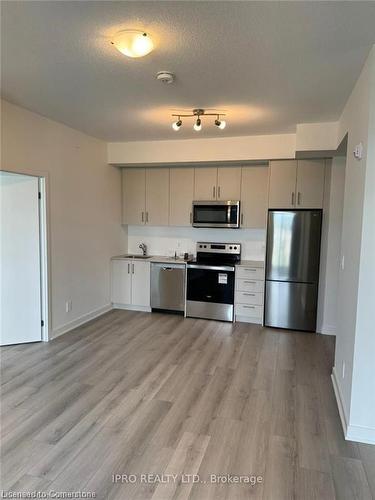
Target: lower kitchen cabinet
{"points": [[131, 284], [249, 294]]}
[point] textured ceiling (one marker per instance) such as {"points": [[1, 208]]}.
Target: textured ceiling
{"points": [[270, 65]]}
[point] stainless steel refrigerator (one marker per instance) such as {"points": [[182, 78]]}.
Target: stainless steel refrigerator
{"points": [[292, 269]]}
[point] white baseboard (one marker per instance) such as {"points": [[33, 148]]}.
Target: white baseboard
{"points": [[361, 434], [129, 307], [339, 401], [79, 321], [328, 329]]}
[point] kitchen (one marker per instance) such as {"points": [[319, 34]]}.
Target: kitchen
{"points": [[187, 242], [228, 206]]}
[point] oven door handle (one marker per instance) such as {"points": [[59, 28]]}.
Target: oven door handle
{"points": [[211, 268]]}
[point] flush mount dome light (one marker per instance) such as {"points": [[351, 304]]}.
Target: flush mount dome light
{"points": [[133, 43]]}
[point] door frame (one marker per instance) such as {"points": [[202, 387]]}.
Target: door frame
{"points": [[45, 299]]}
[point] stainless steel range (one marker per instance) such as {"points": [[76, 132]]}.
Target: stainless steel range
{"points": [[210, 281]]}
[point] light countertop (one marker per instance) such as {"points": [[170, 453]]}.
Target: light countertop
{"points": [[169, 260]]}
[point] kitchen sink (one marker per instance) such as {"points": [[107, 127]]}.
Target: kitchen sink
{"points": [[130, 256]]}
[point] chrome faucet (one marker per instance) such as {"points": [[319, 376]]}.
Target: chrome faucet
{"points": [[143, 247]]}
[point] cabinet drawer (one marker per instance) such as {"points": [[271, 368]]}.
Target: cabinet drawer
{"points": [[252, 298], [249, 310], [243, 285], [255, 273]]}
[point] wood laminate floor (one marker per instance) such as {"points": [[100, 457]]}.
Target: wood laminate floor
{"points": [[137, 393]]}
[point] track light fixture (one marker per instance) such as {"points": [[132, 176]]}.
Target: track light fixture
{"points": [[198, 113]]}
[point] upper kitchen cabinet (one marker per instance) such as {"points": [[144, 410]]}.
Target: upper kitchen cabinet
{"points": [[228, 183], [296, 184], [133, 196], [310, 183], [205, 184], [223, 183], [181, 194], [282, 187], [254, 196], [157, 196]]}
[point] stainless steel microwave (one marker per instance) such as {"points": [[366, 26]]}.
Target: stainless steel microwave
{"points": [[225, 214]]}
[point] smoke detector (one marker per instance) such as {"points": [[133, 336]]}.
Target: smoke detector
{"points": [[165, 77]]}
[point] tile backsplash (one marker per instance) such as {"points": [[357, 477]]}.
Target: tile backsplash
{"points": [[165, 240]]}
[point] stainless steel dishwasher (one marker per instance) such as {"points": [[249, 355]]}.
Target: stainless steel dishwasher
{"points": [[168, 287]]}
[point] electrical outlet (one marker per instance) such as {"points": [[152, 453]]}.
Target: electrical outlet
{"points": [[68, 306], [343, 369]]}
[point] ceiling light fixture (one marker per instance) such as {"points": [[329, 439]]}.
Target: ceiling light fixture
{"points": [[198, 113], [133, 43]]}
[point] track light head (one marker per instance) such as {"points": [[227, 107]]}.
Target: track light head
{"points": [[198, 125], [220, 123], [177, 125]]}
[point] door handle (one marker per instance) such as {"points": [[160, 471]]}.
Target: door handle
{"points": [[143, 216], [191, 217], [241, 219], [293, 198], [213, 192], [146, 217], [218, 192], [132, 268], [299, 198], [128, 268]]}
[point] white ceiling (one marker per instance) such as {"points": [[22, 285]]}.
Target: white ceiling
{"points": [[269, 64]]}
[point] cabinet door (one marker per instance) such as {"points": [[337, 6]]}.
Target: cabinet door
{"points": [[205, 184], [121, 282], [228, 183], [140, 283], [133, 196], [310, 183], [181, 192], [157, 196], [283, 175], [254, 196]]}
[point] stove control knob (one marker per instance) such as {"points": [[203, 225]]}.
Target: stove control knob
{"points": [[235, 248], [230, 248], [200, 246], [205, 246]]}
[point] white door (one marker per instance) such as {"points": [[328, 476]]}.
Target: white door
{"points": [[133, 196], [205, 184], [121, 282], [228, 183], [157, 196], [310, 183], [141, 276], [254, 192], [20, 274], [282, 191], [181, 192]]}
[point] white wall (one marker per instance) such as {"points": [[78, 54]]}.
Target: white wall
{"points": [[84, 209], [261, 147], [166, 240], [354, 371], [331, 246]]}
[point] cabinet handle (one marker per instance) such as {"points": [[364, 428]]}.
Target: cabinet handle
{"points": [[241, 219], [143, 216], [218, 192], [132, 268], [146, 217], [128, 268], [251, 282], [249, 294], [299, 198], [191, 218], [250, 269], [213, 192], [293, 198], [249, 307]]}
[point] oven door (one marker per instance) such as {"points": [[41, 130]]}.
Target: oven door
{"points": [[210, 292], [216, 214]]}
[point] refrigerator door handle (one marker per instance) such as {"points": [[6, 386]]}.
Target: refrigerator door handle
{"points": [[293, 198]]}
